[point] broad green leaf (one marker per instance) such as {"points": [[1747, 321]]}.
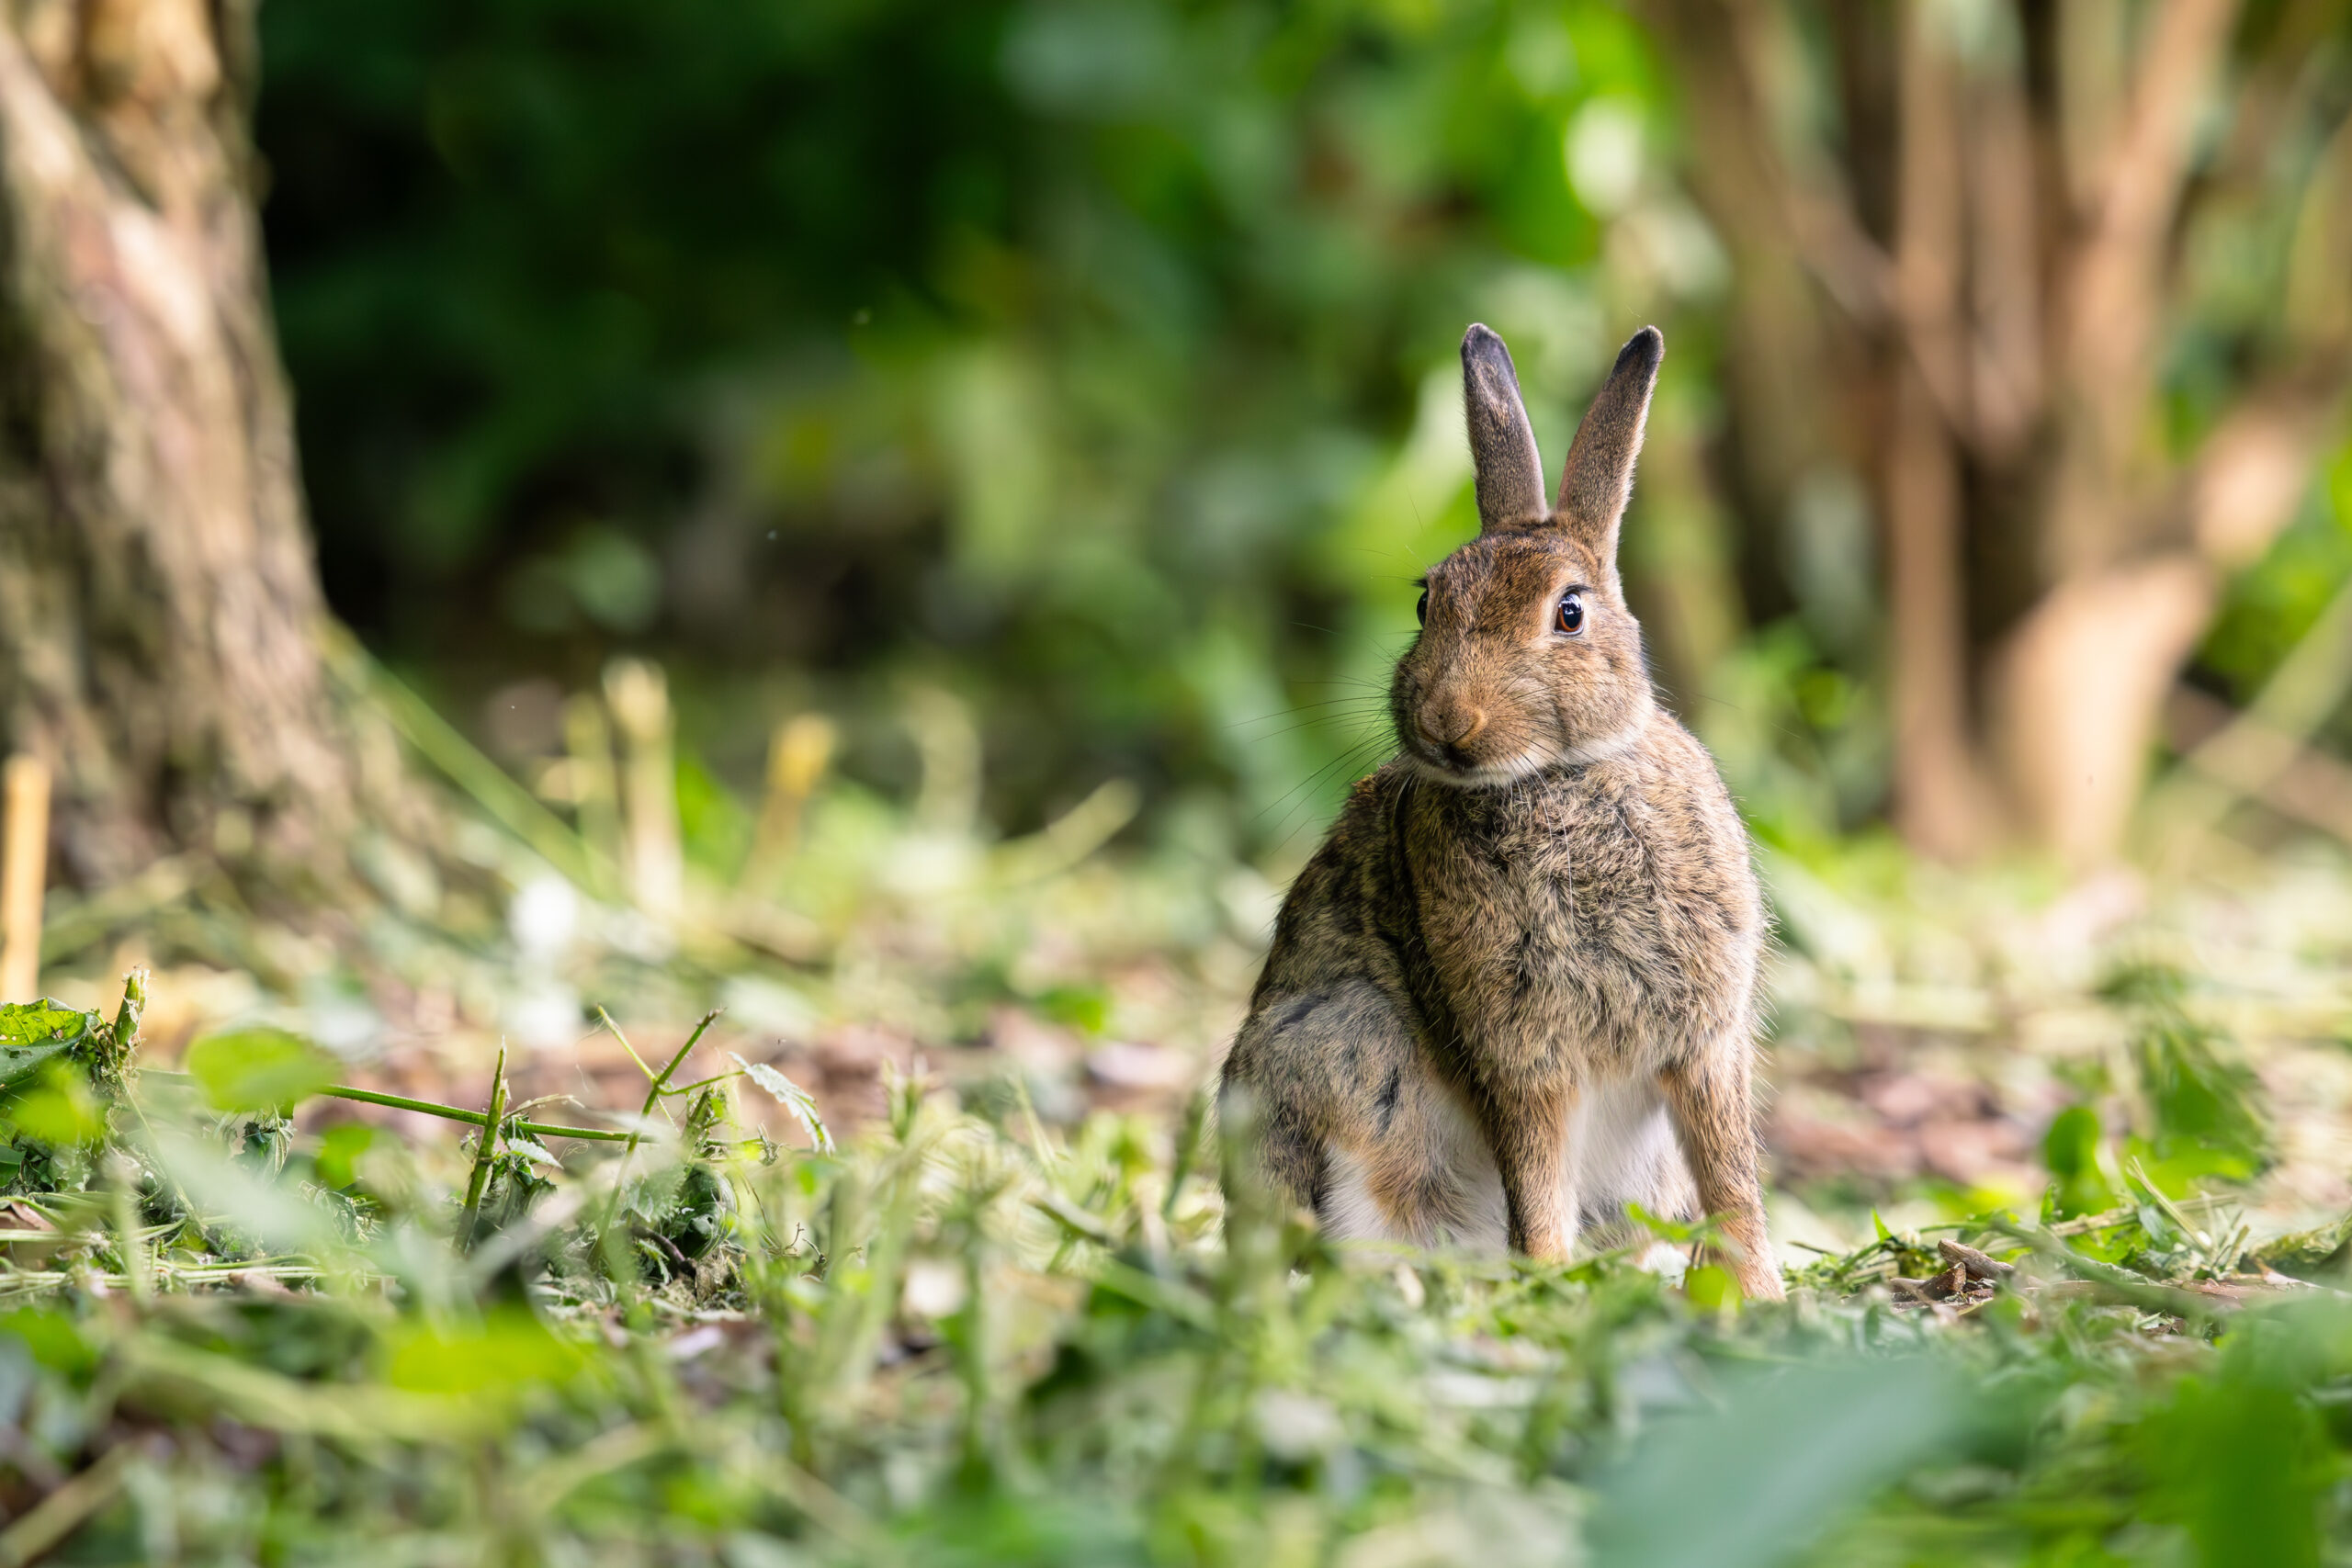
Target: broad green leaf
{"points": [[259, 1069], [61, 1110], [507, 1350], [1789, 1454], [1710, 1289], [33, 1033], [2071, 1152], [51, 1337], [340, 1147], [2239, 1456]]}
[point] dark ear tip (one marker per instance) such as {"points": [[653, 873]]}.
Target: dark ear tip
{"points": [[1482, 341], [1644, 348]]}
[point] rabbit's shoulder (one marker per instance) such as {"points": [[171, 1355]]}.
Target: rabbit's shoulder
{"points": [[1346, 903], [1651, 835]]}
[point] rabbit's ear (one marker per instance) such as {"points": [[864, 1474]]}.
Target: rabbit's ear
{"points": [[1502, 444], [1599, 479]]}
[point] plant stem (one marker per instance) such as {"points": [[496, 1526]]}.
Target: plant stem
{"points": [[653, 1095], [606, 1020], [706, 1083], [473, 1118], [489, 1149]]}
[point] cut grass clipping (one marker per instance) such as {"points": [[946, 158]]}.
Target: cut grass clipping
{"points": [[666, 1338]]}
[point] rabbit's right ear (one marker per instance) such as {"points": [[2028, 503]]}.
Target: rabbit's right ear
{"points": [[1599, 479], [1502, 444]]}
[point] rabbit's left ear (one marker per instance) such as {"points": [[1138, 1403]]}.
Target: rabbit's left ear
{"points": [[1599, 479], [1502, 444]]}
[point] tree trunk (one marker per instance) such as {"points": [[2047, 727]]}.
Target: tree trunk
{"points": [[161, 622], [2013, 264]]}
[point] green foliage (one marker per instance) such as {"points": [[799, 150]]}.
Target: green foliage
{"points": [[259, 1069], [2268, 610], [2240, 1457], [1752, 1476], [2194, 1107], [2206, 1107], [949, 1344], [2073, 1152], [1091, 358], [60, 1071], [34, 1033]]}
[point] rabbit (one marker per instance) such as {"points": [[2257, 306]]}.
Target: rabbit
{"points": [[1516, 988]]}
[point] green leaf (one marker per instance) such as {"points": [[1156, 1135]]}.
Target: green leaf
{"points": [[2207, 1104], [53, 1338], [340, 1148], [531, 1149], [61, 1111], [31, 1033], [1083, 1008], [507, 1352], [2238, 1455], [1784, 1458], [1710, 1287], [259, 1069], [794, 1098], [2071, 1152]]}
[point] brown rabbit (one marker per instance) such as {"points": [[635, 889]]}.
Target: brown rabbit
{"points": [[1522, 969]]}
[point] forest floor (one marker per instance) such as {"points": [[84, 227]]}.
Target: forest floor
{"points": [[2060, 1174]]}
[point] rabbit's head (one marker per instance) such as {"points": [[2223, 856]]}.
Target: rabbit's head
{"points": [[1527, 657]]}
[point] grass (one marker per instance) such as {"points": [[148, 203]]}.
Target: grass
{"points": [[955, 1339], [240, 1322]]}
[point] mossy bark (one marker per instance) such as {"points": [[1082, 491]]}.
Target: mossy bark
{"points": [[162, 629]]}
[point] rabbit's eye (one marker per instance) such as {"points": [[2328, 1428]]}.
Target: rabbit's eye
{"points": [[1422, 610], [1570, 615]]}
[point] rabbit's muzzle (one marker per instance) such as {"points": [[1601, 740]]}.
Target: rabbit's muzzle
{"points": [[1459, 736], [1449, 730]]}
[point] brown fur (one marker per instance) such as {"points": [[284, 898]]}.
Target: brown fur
{"points": [[1530, 946]]}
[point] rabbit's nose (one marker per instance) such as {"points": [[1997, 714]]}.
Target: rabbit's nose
{"points": [[1464, 722]]}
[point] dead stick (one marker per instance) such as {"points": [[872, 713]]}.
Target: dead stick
{"points": [[2117, 1284], [1977, 1264]]}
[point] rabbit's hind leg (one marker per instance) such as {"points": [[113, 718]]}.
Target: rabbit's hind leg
{"points": [[1347, 1116], [1426, 1176]]}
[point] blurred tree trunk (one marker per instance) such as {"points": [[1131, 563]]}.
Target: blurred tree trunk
{"points": [[161, 622], [1992, 237]]}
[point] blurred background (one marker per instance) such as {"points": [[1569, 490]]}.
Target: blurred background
{"points": [[901, 513], [1093, 364]]}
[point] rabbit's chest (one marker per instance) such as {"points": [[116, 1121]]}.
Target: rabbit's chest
{"points": [[1579, 924]]}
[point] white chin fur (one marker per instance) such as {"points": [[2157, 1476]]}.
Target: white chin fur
{"points": [[1602, 747]]}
